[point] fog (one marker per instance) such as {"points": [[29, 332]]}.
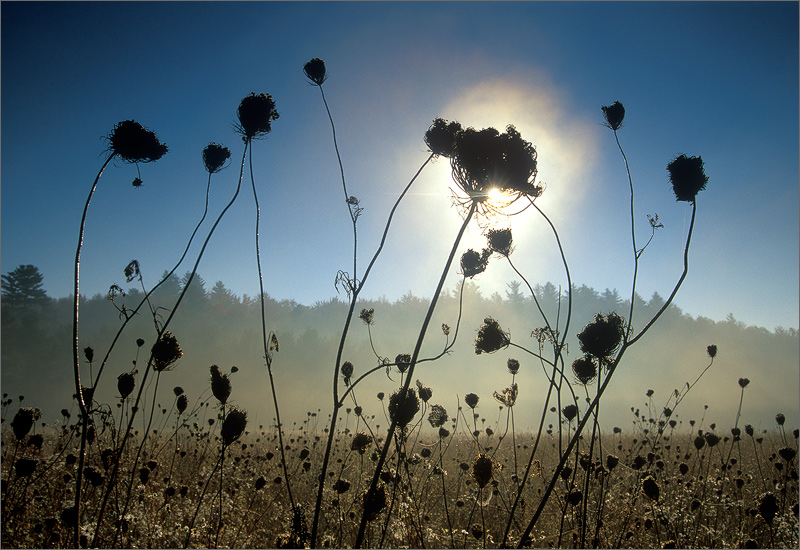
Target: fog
{"points": [[215, 327]]}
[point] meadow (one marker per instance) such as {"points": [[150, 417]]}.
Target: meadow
{"points": [[396, 469]]}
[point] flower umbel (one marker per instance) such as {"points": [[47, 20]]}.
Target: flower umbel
{"points": [[215, 156], [602, 337], [220, 384], [490, 337], [132, 142], [315, 71], [500, 241], [687, 176], [440, 137], [233, 426], [165, 351], [614, 114], [256, 113]]}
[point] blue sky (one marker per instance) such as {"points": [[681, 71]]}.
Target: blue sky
{"points": [[714, 79]]}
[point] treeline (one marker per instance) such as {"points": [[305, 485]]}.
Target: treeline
{"points": [[215, 326]]}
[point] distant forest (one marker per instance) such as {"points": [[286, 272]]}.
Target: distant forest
{"points": [[216, 327]]}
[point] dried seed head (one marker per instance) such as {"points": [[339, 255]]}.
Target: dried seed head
{"points": [[570, 412], [424, 392], [256, 113], [474, 263], [482, 470], [131, 142], [500, 241], [367, 315], [347, 372], [341, 486], [220, 385], [712, 350], [471, 400], [215, 156], [177, 390], [182, 403], [315, 71], [440, 137], [509, 395], [743, 382], [699, 442], [687, 176], [166, 351], [614, 114], [787, 453], [780, 419], [23, 421], [611, 462], [361, 441], [233, 426], [402, 361], [125, 384], [374, 502], [574, 497], [768, 507], [438, 416], [88, 352], [513, 366], [584, 369], [748, 429], [402, 409], [603, 336], [712, 439], [650, 488], [490, 337]]}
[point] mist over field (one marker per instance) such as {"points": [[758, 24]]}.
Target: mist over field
{"points": [[215, 327]]}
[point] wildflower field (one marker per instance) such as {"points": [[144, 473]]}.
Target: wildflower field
{"points": [[396, 468]]}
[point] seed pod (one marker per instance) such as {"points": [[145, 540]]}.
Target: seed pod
{"points": [[500, 241], [712, 350], [256, 113], [490, 337], [24, 467], [441, 136], [403, 408], [341, 486], [584, 369], [220, 384], [347, 372], [438, 416], [125, 384], [315, 71], [513, 366], [471, 400], [611, 462], [131, 142], [374, 502], [473, 263], [482, 470], [424, 392], [166, 351], [768, 507], [570, 412], [602, 337], [23, 421], [614, 114], [182, 403], [650, 488], [233, 426], [360, 442], [215, 156]]}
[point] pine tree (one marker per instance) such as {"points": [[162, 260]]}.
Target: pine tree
{"points": [[23, 287]]}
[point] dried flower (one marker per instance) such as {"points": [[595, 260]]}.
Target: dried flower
{"points": [[509, 395], [441, 136], [403, 408], [24, 467], [125, 384], [256, 113], [602, 337], [513, 366], [712, 350], [780, 419], [315, 71], [650, 488], [177, 390], [473, 263], [712, 439], [131, 142], [438, 416], [611, 462], [482, 470], [374, 502], [182, 403], [233, 426], [165, 351], [402, 361], [768, 507], [220, 384], [341, 486], [787, 453], [424, 392], [614, 114], [743, 382], [500, 241], [584, 369], [347, 372], [687, 176], [471, 400], [88, 352], [23, 421], [215, 156], [490, 337], [360, 442], [367, 315]]}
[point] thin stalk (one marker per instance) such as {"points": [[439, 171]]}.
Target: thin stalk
{"points": [[414, 357], [76, 359], [633, 240], [267, 354]]}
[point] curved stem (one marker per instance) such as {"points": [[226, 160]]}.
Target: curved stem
{"points": [[633, 240], [76, 357], [412, 365]]}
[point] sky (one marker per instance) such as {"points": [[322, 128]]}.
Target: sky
{"points": [[717, 79]]}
